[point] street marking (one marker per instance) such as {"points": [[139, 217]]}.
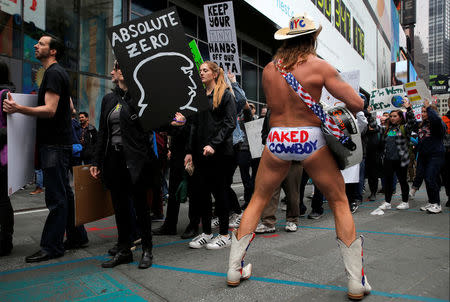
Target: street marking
{"points": [[30, 211]]}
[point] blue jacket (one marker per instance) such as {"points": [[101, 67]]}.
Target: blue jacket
{"points": [[239, 94]]}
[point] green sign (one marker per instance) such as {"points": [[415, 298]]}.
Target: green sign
{"points": [[198, 60]]}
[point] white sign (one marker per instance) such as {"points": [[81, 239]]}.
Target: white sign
{"points": [[332, 46], [222, 42], [253, 131], [352, 78], [11, 7], [34, 12], [21, 141], [387, 99], [417, 91]]}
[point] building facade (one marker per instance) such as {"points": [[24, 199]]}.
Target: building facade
{"points": [[439, 37], [356, 35]]}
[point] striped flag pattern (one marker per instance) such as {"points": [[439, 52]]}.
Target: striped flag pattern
{"points": [[313, 105]]}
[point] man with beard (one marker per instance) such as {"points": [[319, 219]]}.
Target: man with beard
{"points": [[54, 141]]}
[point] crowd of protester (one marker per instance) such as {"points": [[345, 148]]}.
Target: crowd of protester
{"points": [[200, 155]]}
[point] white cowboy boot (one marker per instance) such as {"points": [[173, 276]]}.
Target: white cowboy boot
{"points": [[358, 286], [236, 269]]}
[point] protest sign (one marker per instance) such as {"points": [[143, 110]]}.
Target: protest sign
{"points": [[253, 131], [222, 42], [388, 98], [417, 91], [21, 131], [196, 54], [158, 68], [92, 200], [352, 78]]}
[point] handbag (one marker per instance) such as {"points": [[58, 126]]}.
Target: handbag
{"points": [[338, 126]]}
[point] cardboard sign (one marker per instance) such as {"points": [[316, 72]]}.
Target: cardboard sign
{"points": [[352, 78], [222, 42], [92, 201], [21, 131], [387, 99], [158, 68], [417, 91], [253, 131]]}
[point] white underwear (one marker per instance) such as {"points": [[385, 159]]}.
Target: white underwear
{"points": [[294, 143]]}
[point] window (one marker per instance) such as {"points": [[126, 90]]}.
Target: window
{"points": [[249, 80], [248, 52]]}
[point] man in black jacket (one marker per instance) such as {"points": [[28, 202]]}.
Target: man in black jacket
{"points": [[88, 138]]}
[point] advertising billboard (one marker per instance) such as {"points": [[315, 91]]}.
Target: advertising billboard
{"points": [[382, 10], [395, 34], [412, 73], [440, 84], [399, 72], [346, 40]]}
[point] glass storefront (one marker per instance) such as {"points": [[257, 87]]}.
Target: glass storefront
{"points": [[81, 25]]}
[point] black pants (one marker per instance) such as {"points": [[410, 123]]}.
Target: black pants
{"points": [[210, 177], [391, 167], [445, 173], [6, 211], [125, 195], [176, 165], [59, 199], [429, 166], [317, 200], [372, 172]]}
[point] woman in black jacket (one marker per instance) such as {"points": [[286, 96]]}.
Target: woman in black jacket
{"points": [[211, 150], [124, 159]]}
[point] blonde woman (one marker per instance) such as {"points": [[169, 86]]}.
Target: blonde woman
{"points": [[211, 150]]}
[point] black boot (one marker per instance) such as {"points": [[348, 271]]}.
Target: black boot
{"points": [[146, 260], [121, 257], [5, 243], [190, 232], [164, 230]]}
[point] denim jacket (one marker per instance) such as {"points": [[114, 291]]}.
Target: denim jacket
{"points": [[238, 134]]}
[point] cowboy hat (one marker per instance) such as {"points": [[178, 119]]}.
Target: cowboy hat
{"points": [[298, 26]]}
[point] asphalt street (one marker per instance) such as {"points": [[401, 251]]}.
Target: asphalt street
{"points": [[406, 257]]}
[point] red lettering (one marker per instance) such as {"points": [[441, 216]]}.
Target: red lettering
{"points": [[293, 136], [284, 136], [270, 137], [296, 22], [304, 136], [33, 5], [276, 136]]}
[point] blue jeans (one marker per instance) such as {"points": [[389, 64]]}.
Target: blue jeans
{"points": [[59, 199], [39, 178]]}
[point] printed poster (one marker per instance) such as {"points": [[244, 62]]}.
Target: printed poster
{"points": [[352, 78], [158, 68], [387, 99], [221, 31]]}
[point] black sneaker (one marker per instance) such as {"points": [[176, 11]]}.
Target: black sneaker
{"points": [[314, 215], [372, 197], [190, 232], [163, 230], [157, 218]]}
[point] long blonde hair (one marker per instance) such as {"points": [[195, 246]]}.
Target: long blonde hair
{"points": [[296, 50], [221, 85]]}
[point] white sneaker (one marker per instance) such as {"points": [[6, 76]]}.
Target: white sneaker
{"points": [[262, 228], [200, 241], [377, 211], [215, 222], [403, 206], [434, 208], [425, 207], [219, 242], [235, 220], [290, 227], [385, 206], [283, 207]]}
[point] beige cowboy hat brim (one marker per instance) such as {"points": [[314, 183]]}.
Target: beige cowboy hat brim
{"points": [[283, 33]]}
